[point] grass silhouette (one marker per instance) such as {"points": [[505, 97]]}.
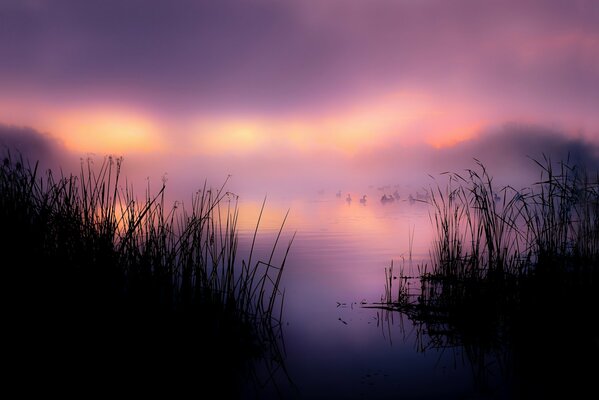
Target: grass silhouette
{"points": [[514, 274], [104, 289]]}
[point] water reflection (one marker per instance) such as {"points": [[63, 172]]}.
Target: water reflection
{"points": [[335, 347]]}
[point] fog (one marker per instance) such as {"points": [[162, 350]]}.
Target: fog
{"points": [[508, 152]]}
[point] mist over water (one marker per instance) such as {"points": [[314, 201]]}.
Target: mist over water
{"points": [[508, 153]]}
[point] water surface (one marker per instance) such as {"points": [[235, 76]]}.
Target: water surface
{"points": [[336, 348]]}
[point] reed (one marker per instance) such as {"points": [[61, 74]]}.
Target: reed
{"points": [[512, 285], [83, 251], [562, 216], [497, 251], [482, 235], [479, 228]]}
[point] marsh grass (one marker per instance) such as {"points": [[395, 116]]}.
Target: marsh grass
{"points": [[496, 240], [93, 275], [513, 276]]}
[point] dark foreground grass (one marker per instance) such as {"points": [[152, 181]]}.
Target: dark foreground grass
{"points": [[106, 291], [513, 277]]}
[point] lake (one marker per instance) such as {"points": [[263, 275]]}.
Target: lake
{"points": [[335, 347]]}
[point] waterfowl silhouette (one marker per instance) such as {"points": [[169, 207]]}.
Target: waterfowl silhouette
{"points": [[348, 198], [387, 199], [363, 199]]}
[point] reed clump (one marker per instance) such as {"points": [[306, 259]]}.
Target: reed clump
{"points": [[513, 278], [95, 275], [499, 250]]}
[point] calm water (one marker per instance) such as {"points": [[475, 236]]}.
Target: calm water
{"points": [[335, 348]]}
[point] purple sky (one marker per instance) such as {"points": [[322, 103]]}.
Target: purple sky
{"points": [[298, 84]]}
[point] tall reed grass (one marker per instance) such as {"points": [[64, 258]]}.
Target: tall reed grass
{"points": [[513, 277], [498, 251], [85, 259]]}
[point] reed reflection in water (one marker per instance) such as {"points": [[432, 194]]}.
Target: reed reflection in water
{"points": [[335, 348]]}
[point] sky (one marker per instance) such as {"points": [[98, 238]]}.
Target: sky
{"points": [[298, 93]]}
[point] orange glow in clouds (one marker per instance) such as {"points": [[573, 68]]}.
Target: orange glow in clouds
{"points": [[106, 131], [406, 118], [403, 117], [456, 135], [229, 135]]}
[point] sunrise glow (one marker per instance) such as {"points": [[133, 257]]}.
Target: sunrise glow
{"points": [[106, 131], [301, 199], [320, 92]]}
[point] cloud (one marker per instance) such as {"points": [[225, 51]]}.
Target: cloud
{"points": [[32, 145], [273, 56], [514, 144], [507, 152]]}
